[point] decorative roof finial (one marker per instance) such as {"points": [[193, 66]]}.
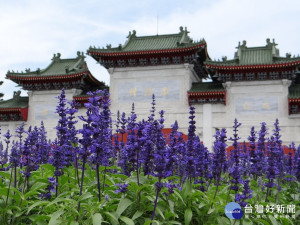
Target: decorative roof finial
{"points": [[133, 33], [224, 58], [244, 43], [16, 94], [181, 29]]}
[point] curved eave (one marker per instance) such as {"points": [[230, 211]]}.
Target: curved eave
{"points": [[205, 93], [294, 100], [264, 66], [95, 80], [112, 54], [54, 77]]}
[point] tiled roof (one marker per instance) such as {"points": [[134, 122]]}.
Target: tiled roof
{"points": [[206, 87], [58, 67], [258, 56], [16, 102], [151, 43]]}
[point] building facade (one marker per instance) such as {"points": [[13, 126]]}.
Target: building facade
{"points": [[257, 85]]}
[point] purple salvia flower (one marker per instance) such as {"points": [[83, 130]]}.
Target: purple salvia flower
{"points": [[62, 134], [122, 188], [219, 156], [189, 156], [4, 155], [260, 150], [235, 171], [297, 164], [15, 155], [50, 188], [272, 170], [160, 161], [246, 194]]}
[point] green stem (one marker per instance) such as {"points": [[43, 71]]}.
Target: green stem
{"points": [[8, 187]]}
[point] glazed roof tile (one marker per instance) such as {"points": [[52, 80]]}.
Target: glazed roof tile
{"points": [[14, 103], [207, 87], [151, 43], [58, 67], [259, 56]]}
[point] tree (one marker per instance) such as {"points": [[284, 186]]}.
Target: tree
{"points": [[1, 94]]}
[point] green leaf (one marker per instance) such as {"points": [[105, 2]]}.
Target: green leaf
{"points": [[273, 220], [187, 189], [223, 220], [179, 196], [42, 218], [38, 186], [160, 213], [211, 210], [137, 215], [55, 217], [85, 196], [247, 221], [113, 218], [97, 219], [61, 200], [171, 205], [123, 205], [188, 214], [174, 222], [74, 223], [127, 220], [201, 205], [30, 193], [5, 174], [263, 221], [38, 203]]}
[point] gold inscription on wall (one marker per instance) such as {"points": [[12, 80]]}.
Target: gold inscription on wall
{"points": [[132, 92], [148, 92], [165, 91], [247, 106], [266, 106]]}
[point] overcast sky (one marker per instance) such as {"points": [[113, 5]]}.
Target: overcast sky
{"points": [[31, 31]]}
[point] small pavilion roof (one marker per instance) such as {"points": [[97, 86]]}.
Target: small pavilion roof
{"points": [[206, 87], [17, 102], [150, 44], [58, 67], [255, 57], [59, 70]]}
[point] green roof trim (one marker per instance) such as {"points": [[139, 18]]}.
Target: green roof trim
{"points": [[151, 43], [58, 67], [15, 103], [247, 56], [206, 87]]}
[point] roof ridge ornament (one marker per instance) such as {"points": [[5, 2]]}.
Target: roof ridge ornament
{"points": [[185, 37], [80, 54], [16, 95], [56, 58]]}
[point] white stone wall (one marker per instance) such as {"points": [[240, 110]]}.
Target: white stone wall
{"points": [[179, 77], [251, 102]]}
